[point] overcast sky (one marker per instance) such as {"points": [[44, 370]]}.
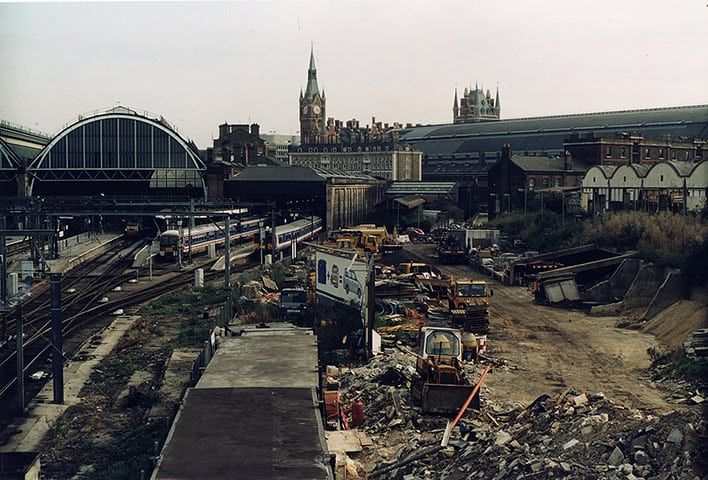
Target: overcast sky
{"points": [[201, 64]]}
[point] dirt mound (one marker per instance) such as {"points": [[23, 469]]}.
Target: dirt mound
{"points": [[674, 325]]}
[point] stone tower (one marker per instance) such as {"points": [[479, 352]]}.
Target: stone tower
{"points": [[476, 106], [312, 107]]}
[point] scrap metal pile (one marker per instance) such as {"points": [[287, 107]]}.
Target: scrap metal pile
{"points": [[567, 436]]}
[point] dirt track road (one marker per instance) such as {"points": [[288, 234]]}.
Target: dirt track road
{"points": [[555, 349]]}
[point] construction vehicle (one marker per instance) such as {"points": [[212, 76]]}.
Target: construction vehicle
{"points": [[469, 305], [365, 239], [351, 240], [451, 248], [385, 242], [440, 385], [416, 268], [293, 302]]}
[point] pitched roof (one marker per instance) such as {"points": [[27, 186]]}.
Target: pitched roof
{"points": [[420, 188], [531, 163], [293, 174]]}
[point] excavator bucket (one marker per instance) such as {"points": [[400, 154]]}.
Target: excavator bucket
{"points": [[441, 398]]}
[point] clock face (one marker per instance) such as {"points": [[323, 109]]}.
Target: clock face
{"points": [[316, 109]]}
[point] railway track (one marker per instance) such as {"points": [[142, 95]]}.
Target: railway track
{"points": [[81, 289], [75, 314]]}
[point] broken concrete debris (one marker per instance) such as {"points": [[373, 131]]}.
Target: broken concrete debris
{"points": [[568, 436]]}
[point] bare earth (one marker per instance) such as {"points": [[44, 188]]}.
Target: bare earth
{"points": [[555, 349]]}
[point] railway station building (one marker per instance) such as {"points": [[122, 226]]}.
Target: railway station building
{"points": [[118, 152], [465, 152]]}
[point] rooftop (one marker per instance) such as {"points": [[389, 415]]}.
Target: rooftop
{"points": [[539, 163], [293, 174], [539, 134], [421, 188]]}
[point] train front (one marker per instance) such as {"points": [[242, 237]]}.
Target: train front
{"points": [[169, 243]]}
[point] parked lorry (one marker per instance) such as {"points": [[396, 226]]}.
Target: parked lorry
{"points": [[469, 305], [451, 247], [293, 302], [440, 384]]}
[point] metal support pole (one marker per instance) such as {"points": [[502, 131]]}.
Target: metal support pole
{"points": [[189, 233], [273, 236], [370, 309], [227, 253], [57, 341], [20, 356], [261, 241], [3, 264]]}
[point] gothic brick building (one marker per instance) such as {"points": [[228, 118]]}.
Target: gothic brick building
{"points": [[476, 106]]}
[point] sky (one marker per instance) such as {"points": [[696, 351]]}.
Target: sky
{"points": [[200, 64]]}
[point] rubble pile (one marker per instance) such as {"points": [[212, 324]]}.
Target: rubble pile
{"points": [[569, 436]]}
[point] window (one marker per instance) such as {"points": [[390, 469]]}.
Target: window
{"points": [[625, 178], [661, 178], [545, 182], [608, 151], [532, 182], [661, 153], [623, 152], [646, 153]]}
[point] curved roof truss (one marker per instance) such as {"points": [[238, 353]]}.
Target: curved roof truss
{"points": [[9, 163], [119, 145]]}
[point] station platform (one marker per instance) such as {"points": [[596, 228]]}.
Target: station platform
{"points": [[80, 248], [253, 414]]}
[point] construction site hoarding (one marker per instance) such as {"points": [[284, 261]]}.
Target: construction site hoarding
{"points": [[341, 278]]}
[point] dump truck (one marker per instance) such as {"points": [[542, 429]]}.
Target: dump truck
{"points": [[469, 305], [440, 384]]}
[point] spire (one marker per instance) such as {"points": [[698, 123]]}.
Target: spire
{"points": [[312, 89], [300, 93], [496, 102], [455, 108], [312, 59]]}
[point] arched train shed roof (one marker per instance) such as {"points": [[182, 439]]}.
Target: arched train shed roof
{"points": [[119, 145]]}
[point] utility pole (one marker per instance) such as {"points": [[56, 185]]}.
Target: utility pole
{"points": [[57, 340]]}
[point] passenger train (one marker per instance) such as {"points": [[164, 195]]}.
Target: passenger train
{"points": [[245, 236]]}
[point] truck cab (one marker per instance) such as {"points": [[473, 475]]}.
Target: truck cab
{"points": [[293, 302]]}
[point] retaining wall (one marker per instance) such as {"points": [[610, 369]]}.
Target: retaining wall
{"points": [[615, 287]]}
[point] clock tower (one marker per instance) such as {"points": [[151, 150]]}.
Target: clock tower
{"points": [[312, 107]]}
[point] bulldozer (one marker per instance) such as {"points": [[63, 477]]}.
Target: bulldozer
{"points": [[469, 305], [440, 385]]}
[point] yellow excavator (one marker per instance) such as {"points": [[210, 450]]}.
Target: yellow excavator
{"points": [[440, 385]]}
